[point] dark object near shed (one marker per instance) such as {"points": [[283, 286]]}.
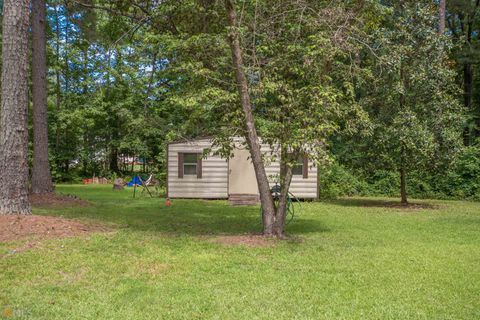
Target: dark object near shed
{"points": [[118, 184]]}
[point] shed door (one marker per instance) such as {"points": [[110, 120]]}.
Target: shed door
{"points": [[241, 175]]}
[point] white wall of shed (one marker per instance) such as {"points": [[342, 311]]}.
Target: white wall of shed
{"points": [[214, 181]]}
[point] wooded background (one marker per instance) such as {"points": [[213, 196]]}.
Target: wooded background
{"points": [[388, 92]]}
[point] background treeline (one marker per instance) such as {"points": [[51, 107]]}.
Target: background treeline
{"points": [[127, 77]]}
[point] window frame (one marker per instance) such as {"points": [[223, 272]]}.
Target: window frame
{"points": [[190, 163], [302, 163], [182, 164]]}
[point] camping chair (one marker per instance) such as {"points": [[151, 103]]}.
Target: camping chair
{"points": [[151, 181]]}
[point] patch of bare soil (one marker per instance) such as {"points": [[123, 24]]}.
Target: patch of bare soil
{"points": [[14, 227], [57, 200], [396, 205], [386, 204], [249, 240]]}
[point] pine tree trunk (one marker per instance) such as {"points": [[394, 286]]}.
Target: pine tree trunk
{"points": [[266, 200], [14, 108], [467, 30], [57, 84], [403, 186], [41, 177], [441, 17]]}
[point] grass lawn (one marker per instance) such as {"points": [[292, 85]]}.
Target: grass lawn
{"points": [[347, 259]]}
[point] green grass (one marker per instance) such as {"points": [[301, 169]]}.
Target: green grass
{"points": [[345, 261]]}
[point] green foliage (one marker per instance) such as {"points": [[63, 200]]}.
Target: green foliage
{"points": [[412, 98], [383, 182], [463, 181], [460, 181], [336, 181], [367, 83]]}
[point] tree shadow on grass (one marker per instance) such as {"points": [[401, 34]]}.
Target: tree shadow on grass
{"points": [[382, 203], [188, 217]]}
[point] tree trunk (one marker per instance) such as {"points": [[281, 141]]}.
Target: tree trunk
{"points": [[285, 180], [41, 177], [133, 164], [150, 84], [57, 86], [403, 186], [114, 160], [14, 108], [266, 200], [467, 91], [467, 30], [66, 51], [441, 17]]}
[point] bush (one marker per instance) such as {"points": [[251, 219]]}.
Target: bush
{"points": [[463, 180], [337, 181], [385, 183], [419, 187]]}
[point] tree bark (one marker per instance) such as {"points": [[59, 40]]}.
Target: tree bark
{"points": [[41, 177], [467, 94], [114, 160], [403, 183], [403, 186], [441, 16], [266, 200], [57, 83], [285, 181], [150, 84], [14, 108], [466, 25], [133, 164]]}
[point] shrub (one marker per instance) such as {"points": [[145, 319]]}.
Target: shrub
{"points": [[463, 180], [385, 183], [337, 181]]}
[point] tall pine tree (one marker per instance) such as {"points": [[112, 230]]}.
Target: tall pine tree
{"points": [[14, 108], [41, 177]]}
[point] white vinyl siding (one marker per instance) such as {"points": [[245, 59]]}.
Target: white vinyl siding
{"points": [[214, 181], [302, 188]]}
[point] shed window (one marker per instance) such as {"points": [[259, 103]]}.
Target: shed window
{"points": [[297, 169], [301, 167], [190, 164]]}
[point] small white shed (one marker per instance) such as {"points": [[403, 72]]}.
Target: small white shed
{"points": [[189, 175]]}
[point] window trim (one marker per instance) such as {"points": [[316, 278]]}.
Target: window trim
{"points": [[304, 165], [181, 165]]}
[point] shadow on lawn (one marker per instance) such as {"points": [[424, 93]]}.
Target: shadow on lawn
{"points": [[379, 203], [191, 217]]}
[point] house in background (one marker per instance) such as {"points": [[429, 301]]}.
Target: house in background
{"points": [[190, 175]]}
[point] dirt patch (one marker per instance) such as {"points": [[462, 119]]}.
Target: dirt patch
{"points": [[249, 240], [155, 268], [13, 227], [396, 205], [49, 200], [385, 204]]}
